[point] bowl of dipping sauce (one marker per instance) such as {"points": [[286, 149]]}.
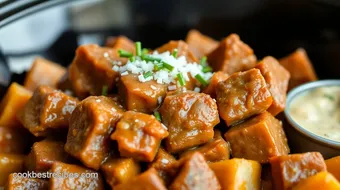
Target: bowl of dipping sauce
{"points": [[313, 116]]}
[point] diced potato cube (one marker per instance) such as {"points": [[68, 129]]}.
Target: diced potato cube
{"points": [[333, 166], [120, 170], [14, 100], [237, 174], [10, 163], [322, 180], [148, 180]]}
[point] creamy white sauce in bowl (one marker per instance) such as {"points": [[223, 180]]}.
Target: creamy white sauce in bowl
{"points": [[314, 110], [318, 111]]}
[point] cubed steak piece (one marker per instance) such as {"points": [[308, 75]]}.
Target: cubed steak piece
{"points": [[91, 70], [10, 163], [277, 78], [232, 55], [190, 118], [140, 96], [182, 50], [238, 174], [14, 140], [139, 136], [24, 183], [333, 166], [13, 101], [47, 110], [214, 80], [81, 178], [289, 170], [259, 138], [213, 151], [242, 95], [322, 180], [43, 154], [91, 124], [200, 44], [119, 170], [163, 164], [300, 68], [43, 72], [120, 42], [148, 180], [195, 174]]}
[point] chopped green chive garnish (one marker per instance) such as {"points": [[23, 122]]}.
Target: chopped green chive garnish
{"points": [[149, 58], [157, 115], [329, 97], [201, 80], [206, 69], [203, 61], [147, 74], [145, 51], [158, 66], [104, 90], [181, 79], [138, 48], [174, 53], [168, 66], [132, 59], [123, 53]]}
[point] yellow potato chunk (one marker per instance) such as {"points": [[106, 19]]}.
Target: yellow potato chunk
{"points": [[237, 174], [14, 100], [333, 166], [322, 180]]}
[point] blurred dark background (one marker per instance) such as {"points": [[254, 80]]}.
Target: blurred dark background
{"points": [[54, 29]]}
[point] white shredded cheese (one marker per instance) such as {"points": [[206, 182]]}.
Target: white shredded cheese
{"points": [[172, 87], [153, 87], [197, 89], [159, 99], [163, 76]]}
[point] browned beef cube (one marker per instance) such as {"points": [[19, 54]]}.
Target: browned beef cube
{"points": [[48, 109], [91, 124], [181, 47], [24, 183], [213, 151], [214, 80], [120, 42], [190, 118], [44, 154], [120, 170], [140, 96], [258, 138], [148, 180], [195, 174], [82, 178], [277, 78], [200, 44], [289, 170], [13, 140], [232, 55], [43, 72], [163, 164], [139, 135], [242, 95], [91, 70]]}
